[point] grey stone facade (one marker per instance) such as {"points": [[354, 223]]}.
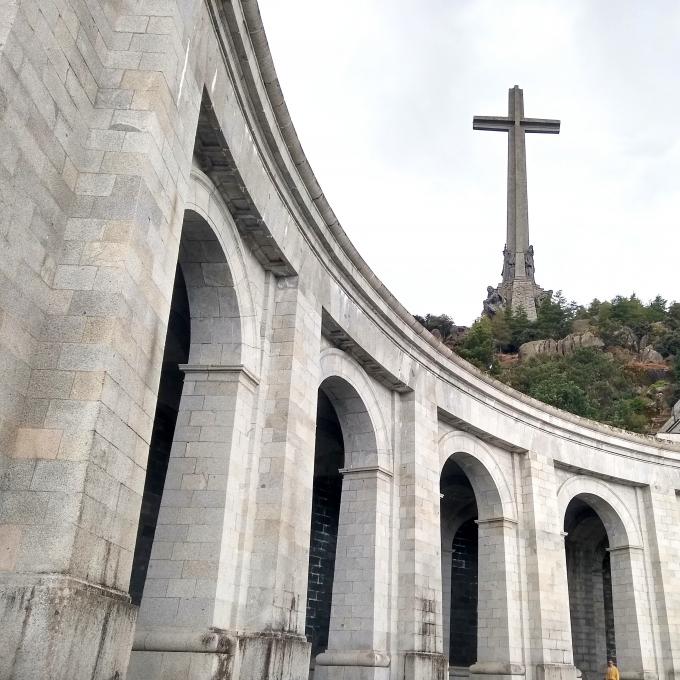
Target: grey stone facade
{"points": [[140, 135]]}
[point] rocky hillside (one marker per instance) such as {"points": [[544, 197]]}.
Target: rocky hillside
{"points": [[616, 361]]}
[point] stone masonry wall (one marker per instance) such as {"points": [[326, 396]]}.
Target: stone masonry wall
{"points": [[99, 103]]}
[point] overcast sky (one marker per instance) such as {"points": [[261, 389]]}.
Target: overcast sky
{"points": [[382, 94]]}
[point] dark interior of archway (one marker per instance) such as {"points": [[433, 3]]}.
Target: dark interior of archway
{"points": [[591, 605], [328, 459], [458, 502], [169, 394]]}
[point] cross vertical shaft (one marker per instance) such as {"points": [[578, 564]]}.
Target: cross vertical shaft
{"points": [[517, 239]]}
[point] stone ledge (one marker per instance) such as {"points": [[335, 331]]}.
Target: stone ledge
{"points": [[371, 658], [497, 668], [211, 640]]}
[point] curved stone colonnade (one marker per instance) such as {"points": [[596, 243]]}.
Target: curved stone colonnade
{"points": [[187, 330]]}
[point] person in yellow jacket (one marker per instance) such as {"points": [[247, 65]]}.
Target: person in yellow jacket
{"points": [[612, 671]]}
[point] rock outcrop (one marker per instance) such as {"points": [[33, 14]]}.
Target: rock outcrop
{"points": [[565, 346], [649, 355]]}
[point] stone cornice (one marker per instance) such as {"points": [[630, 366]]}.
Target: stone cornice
{"points": [[221, 372]]}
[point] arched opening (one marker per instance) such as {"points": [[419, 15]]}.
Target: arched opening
{"points": [[460, 571], [196, 450], [329, 456], [589, 575], [348, 582]]}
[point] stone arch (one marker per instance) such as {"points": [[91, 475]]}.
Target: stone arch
{"points": [[492, 554], [492, 491], [206, 204], [210, 441], [358, 627], [622, 530], [354, 399]]}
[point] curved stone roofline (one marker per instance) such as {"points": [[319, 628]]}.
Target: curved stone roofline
{"points": [[270, 105]]}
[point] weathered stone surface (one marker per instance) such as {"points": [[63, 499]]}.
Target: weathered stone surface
{"points": [[136, 137], [649, 355], [61, 628], [567, 345]]}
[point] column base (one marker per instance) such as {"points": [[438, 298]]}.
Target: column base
{"points": [[166, 654], [61, 628], [180, 666], [556, 671], [273, 656], [352, 665], [497, 670], [425, 666]]}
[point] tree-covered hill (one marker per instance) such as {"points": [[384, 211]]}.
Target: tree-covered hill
{"points": [[616, 361]]}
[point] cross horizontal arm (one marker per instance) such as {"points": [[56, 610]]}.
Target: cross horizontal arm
{"points": [[498, 123], [544, 125]]}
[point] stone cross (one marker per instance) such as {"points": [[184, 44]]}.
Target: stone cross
{"points": [[517, 250]]}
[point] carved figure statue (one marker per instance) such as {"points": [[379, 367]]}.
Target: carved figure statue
{"points": [[508, 272], [529, 262], [494, 302]]}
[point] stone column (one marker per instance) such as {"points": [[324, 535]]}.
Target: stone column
{"points": [[632, 624], [359, 626], [273, 644], [547, 591], [499, 634], [190, 600], [664, 515], [420, 576]]}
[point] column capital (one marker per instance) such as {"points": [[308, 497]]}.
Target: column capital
{"points": [[224, 372], [367, 471], [505, 522], [622, 548]]}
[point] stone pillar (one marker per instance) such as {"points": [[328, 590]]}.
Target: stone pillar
{"points": [[359, 626], [550, 651], [98, 169], [499, 637], [632, 624], [191, 590], [273, 644], [664, 514], [420, 576]]}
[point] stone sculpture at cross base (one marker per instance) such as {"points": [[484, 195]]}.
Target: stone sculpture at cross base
{"points": [[518, 287]]}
